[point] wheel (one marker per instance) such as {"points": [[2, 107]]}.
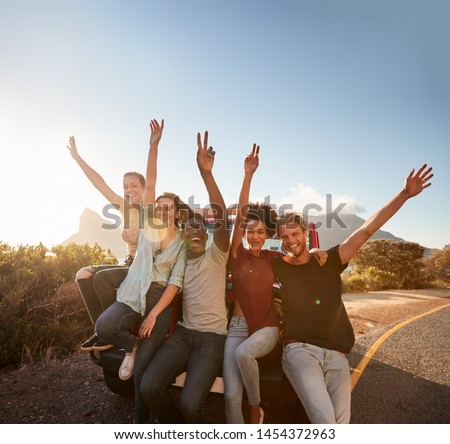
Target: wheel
{"points": [[116, 385]]}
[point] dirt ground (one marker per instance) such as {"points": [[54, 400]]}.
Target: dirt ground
{"points": [[72, 391]]}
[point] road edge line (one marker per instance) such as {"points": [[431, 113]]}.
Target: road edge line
{"points": [[358, 371]]}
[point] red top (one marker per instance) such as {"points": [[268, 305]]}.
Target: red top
{"points": [[253, 278]]}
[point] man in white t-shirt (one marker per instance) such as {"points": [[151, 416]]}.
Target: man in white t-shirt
{"points": [[198, 341]]}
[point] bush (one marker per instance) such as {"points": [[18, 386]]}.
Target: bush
{"points": [[437, 267], [378, 280], [40, 306], [354, 283], [374, 279], [386, 263]]}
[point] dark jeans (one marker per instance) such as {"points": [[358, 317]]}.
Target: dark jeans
{"points": [[197, 352], [95, 299], [106, 283], [114, 324], [147, 350]]}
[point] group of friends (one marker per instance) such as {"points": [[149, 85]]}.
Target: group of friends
{"points": [[130, 305]]}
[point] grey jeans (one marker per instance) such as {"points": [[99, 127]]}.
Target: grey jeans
{"points": [[321, 378], [240, 367]]}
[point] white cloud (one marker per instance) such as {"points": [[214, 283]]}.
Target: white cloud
{"points": [[305, 198]]}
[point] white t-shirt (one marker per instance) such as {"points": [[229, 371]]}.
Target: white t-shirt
{"points": [[204, 288]]}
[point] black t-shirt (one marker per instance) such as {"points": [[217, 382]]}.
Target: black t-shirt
{"points": [[312, 302]]}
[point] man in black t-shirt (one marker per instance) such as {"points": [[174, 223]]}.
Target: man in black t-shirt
{"points": [[318, 332]]}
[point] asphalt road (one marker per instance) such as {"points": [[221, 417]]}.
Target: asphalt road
{"points": [[408, 379]]}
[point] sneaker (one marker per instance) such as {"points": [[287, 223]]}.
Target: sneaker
{"points": [[127, 366], [89, 344], [101, 345]]}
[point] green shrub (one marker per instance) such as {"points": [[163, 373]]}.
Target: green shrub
{"points": [[388, 264], [41, 310], [437, 267], [354, 283], [378, 280]]}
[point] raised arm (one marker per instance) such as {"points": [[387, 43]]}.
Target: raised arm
{"points": [[94, 177], [151, 173], [250, 166], [414, 184], [205, 162]]}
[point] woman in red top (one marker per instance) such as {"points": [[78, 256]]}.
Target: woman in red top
{"points": [[253, 330]]}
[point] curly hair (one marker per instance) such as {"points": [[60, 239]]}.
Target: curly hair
{"points": [[264, 213]]}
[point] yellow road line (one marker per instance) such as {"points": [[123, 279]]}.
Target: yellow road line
{"points": [[404, 293], [357, 372]]}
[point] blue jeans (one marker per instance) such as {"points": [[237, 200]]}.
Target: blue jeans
{"points": [[240, 367], [321, 378], [200, 354]]}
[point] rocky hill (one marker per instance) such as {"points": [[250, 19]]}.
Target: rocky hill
{"points": [[91, 230], [332, 233]]}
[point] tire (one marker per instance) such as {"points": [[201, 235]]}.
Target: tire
{"points": [[116, 385]]}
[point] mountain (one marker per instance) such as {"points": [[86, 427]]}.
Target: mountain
{"points": [[91, 232], [331, 232]]}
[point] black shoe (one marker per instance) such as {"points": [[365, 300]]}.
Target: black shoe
{"points": [[89, 344], [102, 346]]}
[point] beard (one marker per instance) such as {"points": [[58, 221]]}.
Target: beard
{"points": [[300, 250]]}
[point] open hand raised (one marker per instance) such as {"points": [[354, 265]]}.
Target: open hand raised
{"points": [[72, 147], [156, 131], [415, 183]]}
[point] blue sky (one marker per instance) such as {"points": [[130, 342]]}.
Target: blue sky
{"points": [[344, 98]]}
